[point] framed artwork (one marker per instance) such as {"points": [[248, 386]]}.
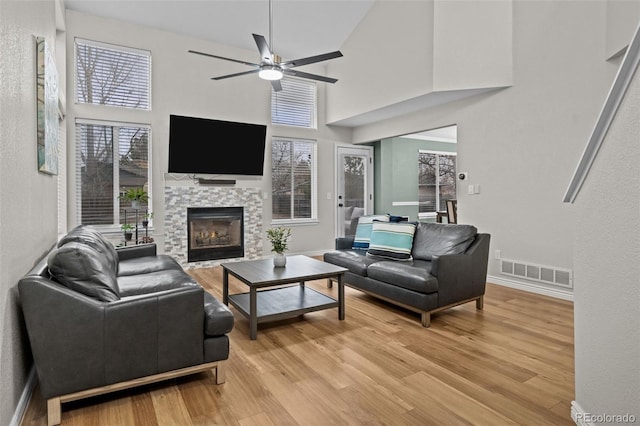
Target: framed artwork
{"points": [[47, 108]]}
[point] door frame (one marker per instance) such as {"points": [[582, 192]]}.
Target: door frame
{"points": [[340, 149]]}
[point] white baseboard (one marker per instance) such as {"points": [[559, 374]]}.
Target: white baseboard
{"points": [[578, 415], [532, 288], [23, 403]]}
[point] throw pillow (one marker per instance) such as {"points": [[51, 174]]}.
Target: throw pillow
{"points": [[363, 230], [393, 240]]}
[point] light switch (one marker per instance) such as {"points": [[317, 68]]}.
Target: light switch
{"points": [[476, 189], [328, 195], [470, 190]]}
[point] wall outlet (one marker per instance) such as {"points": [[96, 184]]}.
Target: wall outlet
{"points": [[497, 255]]}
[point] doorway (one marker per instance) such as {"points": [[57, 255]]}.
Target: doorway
{"points": [[354, 187]]}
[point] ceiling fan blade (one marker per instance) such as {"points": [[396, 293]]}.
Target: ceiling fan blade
{"points": [[277, 86], [263, 48], [312, 59], [301, 74], [222, 57], [222, 77]]}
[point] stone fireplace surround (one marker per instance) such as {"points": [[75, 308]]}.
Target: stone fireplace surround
{"points": [[178, 198]]}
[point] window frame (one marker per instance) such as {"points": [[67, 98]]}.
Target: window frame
{"points": [[433, 215], [118, 48], [113, 227], [313, 102], [314, 183]]}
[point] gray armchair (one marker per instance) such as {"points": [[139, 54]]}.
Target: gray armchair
{"points": [[104, 321]]}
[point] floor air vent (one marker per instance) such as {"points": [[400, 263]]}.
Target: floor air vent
{"points": [[544, 274]]}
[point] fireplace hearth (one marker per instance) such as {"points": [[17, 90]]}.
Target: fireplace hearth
{"points": [[215, 233]]}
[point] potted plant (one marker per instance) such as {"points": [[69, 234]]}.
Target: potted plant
{"points": [[136, 196], [279, 237], [145, 218], [128, 231]]}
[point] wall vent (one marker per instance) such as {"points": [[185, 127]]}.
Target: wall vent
{"points": [[530, 271]]}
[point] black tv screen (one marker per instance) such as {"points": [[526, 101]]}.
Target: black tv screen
{"points": [[206, 146]]}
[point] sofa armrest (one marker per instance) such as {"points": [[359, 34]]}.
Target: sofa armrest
{"points": [[139, 250], [462, 276], [80, 343], [343, 243]]}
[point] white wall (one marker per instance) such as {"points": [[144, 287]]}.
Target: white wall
{"points": [[521, 144], [406, 50], [387, 59], [472, 44], [182, 85], [622, 17], [606, 253], [28, 211]]}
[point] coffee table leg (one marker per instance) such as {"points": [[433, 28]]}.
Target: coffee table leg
{"points": [[253, 314], [341, 312], [225, 287]]}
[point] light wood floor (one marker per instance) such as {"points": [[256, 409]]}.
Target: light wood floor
{"points": [[509, 364]]}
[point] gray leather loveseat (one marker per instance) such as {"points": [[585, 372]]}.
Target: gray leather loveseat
{"points": [[448, 267], [101, 319]]}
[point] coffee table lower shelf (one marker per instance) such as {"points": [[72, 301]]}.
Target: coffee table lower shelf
{"points": [[281, 303]]}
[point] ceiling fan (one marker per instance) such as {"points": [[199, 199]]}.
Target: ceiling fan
{"points": [[271, 66]]}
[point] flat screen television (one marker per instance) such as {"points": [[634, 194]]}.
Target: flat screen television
{"points": [[206, 146]]}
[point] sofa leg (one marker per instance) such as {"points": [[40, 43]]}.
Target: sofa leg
{"points": [[426, 319], [480, 303], [54, 411], [221, 373], [329, 283]]}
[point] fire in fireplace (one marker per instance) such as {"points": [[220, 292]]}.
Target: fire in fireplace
{"points": [[215, 233]]}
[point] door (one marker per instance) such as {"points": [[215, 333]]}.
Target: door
{"points": [[354, 187]]}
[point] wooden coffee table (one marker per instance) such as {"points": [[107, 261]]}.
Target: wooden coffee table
{"points": [[284, 301]]}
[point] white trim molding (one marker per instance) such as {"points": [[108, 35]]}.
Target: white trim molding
{"points": [[578, 415], [25, 397]]}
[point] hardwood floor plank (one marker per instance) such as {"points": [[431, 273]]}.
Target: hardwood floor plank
{"points": [[511, 363]]}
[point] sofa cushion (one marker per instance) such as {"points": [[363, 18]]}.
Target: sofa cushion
{"points": [[218, 319], [437, 239], [82, 268], [363, 230], [355, 261], [146, 264], [412, 275], [87, 235], [392, 240], [131, 285]]}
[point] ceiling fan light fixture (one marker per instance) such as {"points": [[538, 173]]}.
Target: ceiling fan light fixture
{"points": [[270, 73]]}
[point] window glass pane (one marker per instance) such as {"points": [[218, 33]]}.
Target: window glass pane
{"points": [[295, 104], [112, 75], [302, 180], [95, 174], [426, 183], [436, 181], [281, 174], [292, 174], [101, 180], [354, 180], [133, 148]]}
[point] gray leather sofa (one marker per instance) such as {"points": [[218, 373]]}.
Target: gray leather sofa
{"points": [[448, 268], [101, 319]]}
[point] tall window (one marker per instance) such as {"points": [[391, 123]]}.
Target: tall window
{"points": [[293, 179], [295, 104], [110, 159], [112, 75], [436, 181]]}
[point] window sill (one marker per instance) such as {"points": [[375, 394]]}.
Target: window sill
{"points": [[286, 222]]}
